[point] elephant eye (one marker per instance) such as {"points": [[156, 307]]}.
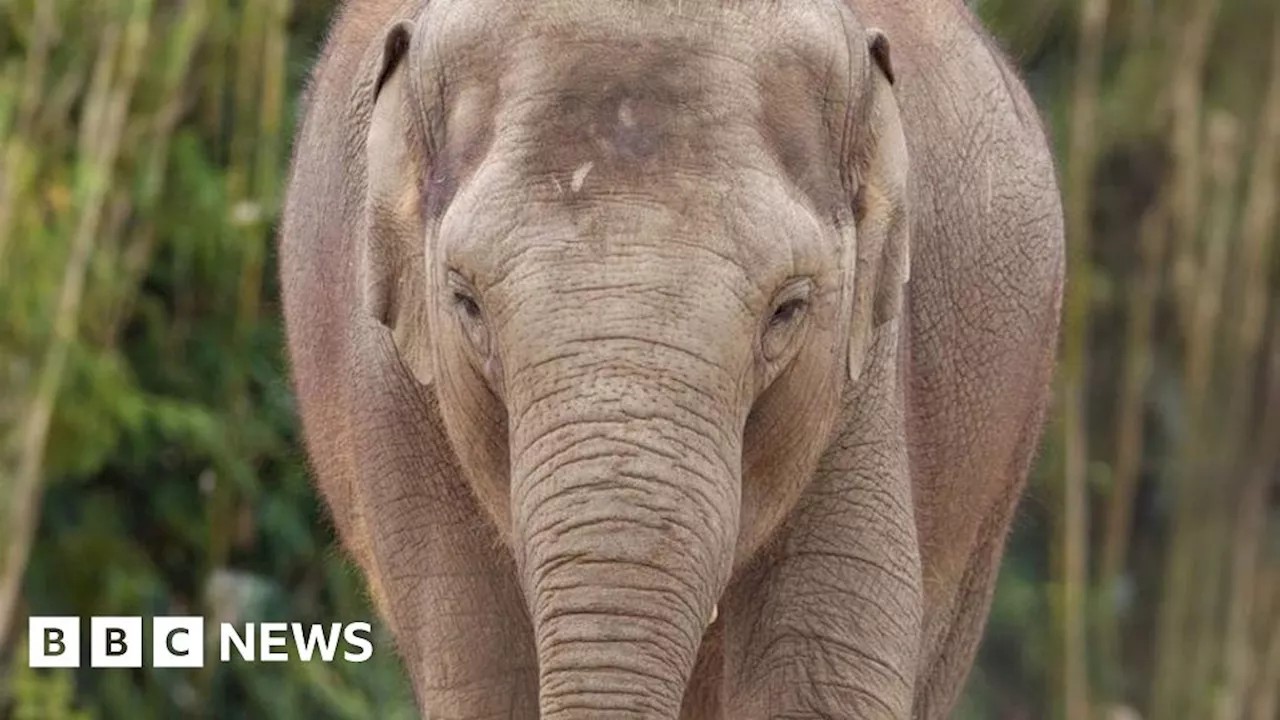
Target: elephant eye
{"points": [[466, 304], [469, 316], [787, 311], [472, 321], [785, 324]]}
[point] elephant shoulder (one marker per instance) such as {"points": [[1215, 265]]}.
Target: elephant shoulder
{"points": [[987, 242]]}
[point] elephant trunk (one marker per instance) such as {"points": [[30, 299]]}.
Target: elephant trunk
{"points": [[625, 497]]}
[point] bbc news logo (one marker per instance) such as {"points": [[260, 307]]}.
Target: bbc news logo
{"points": [[179, 642]]}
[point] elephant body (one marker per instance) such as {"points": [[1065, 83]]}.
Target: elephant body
{"points": [[672, 359]]}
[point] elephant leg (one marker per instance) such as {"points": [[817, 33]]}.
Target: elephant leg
{"points": [[446, 584], [827, 622]]}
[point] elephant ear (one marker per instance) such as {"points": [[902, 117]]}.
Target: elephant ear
{"points": [[877, 248], [394, 262]]}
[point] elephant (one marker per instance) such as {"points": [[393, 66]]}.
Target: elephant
{"points": [[672, 358]]}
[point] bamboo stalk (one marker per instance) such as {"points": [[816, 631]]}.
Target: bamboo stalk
{"points": [[1264, 573], [1137, 366], [183, 40], [1223, 160], [1187, 98], [1073, 532], [1268, 704], [221, 32], [1168, 698], [1257, 236], [1265, 688], [1258, 226], [267, 144], [99, 147], [271, 133], [1239, 657]]}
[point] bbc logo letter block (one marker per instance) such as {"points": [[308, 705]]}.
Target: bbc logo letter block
{"points": [[115, 642], [53, 642], [179, 642]]}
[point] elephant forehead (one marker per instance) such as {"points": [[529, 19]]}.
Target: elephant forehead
{"points": [[638, 117], [601, 95], [626, 114]]}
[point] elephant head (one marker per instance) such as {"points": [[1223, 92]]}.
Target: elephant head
{"points": [[629, 253]]}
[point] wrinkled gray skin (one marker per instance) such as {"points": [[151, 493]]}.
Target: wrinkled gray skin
{"points": [[609, 367]]}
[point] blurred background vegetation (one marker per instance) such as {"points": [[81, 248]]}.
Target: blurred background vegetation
{"points": [[149, 456]]}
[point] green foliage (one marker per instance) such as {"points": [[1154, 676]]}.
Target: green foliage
{"points": [[45, 696], [173, 475]]}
